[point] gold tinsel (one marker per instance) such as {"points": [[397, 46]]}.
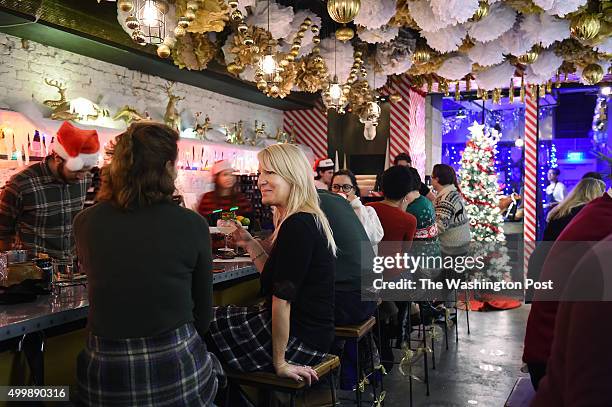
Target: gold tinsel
{"points": [[359, 97], [289, 75], [432, 66], [211, 16], [402, 16], [193, 51], [574, 51], [524, 6], [309, 78], [248, 55]]}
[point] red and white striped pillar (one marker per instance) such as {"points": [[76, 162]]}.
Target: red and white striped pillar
{"points": [[531, 166], [407, 124], [310, 127]]}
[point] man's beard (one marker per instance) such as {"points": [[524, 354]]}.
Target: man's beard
{"points": [[61, 174]]}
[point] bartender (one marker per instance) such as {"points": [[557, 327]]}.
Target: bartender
{"points": [[555, 191], [38, 204], [325, 171], [225, 195]]}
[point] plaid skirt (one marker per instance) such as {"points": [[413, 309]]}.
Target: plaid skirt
{"points": [[171, 369], [242, 338]]}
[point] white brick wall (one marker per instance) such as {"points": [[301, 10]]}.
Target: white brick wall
{"points": [[24, 68]]}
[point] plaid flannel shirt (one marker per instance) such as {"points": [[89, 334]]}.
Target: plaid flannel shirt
{"points": [[37, 209]]}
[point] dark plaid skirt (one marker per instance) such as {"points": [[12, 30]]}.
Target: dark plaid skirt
{"points": [[242, 338], [172, 369]]}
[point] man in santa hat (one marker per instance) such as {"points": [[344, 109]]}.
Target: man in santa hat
{"points": [[38, 204]]}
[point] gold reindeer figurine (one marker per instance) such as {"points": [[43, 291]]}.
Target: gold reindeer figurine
{"points": [[172, 118], [60, 107]]}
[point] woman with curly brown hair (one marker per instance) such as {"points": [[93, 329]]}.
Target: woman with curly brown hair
{"points": [[149, 269]]}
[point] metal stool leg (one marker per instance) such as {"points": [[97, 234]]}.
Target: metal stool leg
{"points": [[456, 318], [373, 374], [467, 310], [332, 385], [433, 348], [425, 350], [292, 400], [357, 390]]}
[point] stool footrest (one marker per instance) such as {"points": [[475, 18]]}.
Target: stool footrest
{"points": [[355, 331], [271, 380]]}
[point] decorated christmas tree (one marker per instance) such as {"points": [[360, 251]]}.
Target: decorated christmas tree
{"points": [[479, 185]]}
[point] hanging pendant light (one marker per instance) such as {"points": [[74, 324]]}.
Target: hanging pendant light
{"points": [[151, 16], [334, 96], [268, 72]]}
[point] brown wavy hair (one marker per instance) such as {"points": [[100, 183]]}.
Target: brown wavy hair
{"points": [[137, 175]]}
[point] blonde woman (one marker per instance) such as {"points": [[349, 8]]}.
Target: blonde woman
{"points": [[295, 328], [561, 215]]}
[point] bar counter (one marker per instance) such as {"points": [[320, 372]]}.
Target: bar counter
{"points": [[59, 321]]}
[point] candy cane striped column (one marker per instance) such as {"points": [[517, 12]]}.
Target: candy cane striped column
{"points": [[407, 124], [531, 181], [310, 127]]}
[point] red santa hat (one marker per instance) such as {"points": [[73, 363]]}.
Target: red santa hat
{"points": [[78, 147]]}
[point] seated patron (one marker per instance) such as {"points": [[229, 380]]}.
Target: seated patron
{"points": [[294, 329], [149, 268]]}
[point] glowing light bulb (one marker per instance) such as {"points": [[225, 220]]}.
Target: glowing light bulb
{"points": [[519, 142], [606, 91], [335, 91], [149, 13], [268, 65]]}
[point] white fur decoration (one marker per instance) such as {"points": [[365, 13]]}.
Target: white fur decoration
{"points": [[383, 34], [375, 13], [545, 29], [423, 15], [381, 78], [560, 7], [455, 68], [454, 11], [487, 54], [448, 39], [605, 47], [495, 77], [344, 57], [515, 42], [280, 18], [307, 43], [499, 20]]}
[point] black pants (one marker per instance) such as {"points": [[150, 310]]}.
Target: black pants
{"points": [[537, 371]]}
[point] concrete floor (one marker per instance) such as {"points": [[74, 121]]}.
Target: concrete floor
{"points": [[478, 371]]}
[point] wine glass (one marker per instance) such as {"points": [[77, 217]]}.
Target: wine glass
{"points": [[226, 227]]}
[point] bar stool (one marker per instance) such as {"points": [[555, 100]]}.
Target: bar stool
{"points": [[271, 382], [357, 333]]}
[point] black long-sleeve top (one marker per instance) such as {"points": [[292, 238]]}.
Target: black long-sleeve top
{"points": [[149, 270]]}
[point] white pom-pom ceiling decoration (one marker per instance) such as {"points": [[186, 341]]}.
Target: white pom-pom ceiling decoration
{"points": [[545, 29], [423, 15], [384, 34], [280, 18], [343, 57], [495, 77], [487, 54], [455, 68], [499, 20], [515, 42], [544, 68], [381, 78], [453, 12], [374, 14], [606, 46], [559, 7], [447, 39]]}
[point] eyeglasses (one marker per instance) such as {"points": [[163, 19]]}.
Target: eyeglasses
{"points": [[345, 187]]}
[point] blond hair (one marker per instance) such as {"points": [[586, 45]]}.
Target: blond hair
{"points": [[584, 192], [290, 163]]}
